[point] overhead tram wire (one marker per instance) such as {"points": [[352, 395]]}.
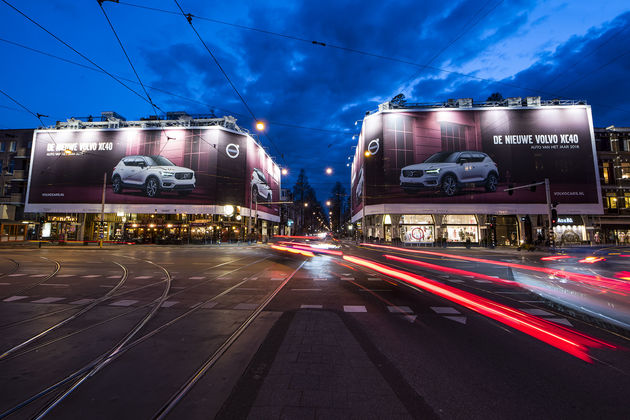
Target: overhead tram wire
{"points": [[189, 19], [157, 89], [72, 48], [35, 114]]}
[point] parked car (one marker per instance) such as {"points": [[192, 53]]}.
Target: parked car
{"points": [[449, 171], [153, 175], [260, 187]]}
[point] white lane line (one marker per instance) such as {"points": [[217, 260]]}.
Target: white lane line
{"points": [[354, 308], [65, 275], [17, 275], [347, 278], [320, 279], [55, 284], [306, 290], [253, 278], [560, 321], [311, 306], [444, 310], [277, 278], [5, 284], [14, 298], [374, 279], [537, 312], [113, 277], [48, 300], [143, 277], [82, 301], [91, 276], [169, 303], [455, 281], [400, 309], [482, 281], [124, 302], [460, 319], [208, 305], [196, 278], [39, 275], [246, 306]]}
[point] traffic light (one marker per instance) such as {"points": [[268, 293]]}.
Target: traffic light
{"points": [[554, 216]]}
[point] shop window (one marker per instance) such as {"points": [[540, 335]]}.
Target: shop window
{"points": [[460, 219], [453, 136], [417, 233], [416, 219]]}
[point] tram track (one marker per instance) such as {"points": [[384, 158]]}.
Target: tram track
{"points": [[80, 376], [43, 280], [15, 268]]}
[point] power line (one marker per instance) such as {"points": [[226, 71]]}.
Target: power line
{"points": [[189, 19], [72, 48], [35, 114]]}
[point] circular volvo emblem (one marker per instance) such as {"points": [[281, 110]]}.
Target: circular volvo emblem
{"points": [[373, 146], [232, 150]]}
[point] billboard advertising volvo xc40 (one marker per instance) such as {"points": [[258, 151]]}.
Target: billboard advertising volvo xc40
{"points": [[175, 170], [462, 161]]}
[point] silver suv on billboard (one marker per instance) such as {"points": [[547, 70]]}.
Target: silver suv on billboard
{"points": [[260, 187], [449, 171], [152, 175]]}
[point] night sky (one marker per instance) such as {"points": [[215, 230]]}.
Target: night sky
{"points": [[309, 94]]}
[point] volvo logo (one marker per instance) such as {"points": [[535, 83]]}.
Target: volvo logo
{"points": [[373, 146], [232, 150]]}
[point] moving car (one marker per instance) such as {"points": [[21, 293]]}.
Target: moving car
{"points": [[152, 174], [260, 186], [449, 171]]}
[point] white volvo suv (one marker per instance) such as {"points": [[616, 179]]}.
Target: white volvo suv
{"points": [[152, 175], [449, 171], [260, 187]]}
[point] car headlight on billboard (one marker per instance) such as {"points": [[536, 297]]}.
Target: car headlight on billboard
{"points": [[433, 171], [167, 174]]}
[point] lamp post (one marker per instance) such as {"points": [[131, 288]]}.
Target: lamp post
{"points": [[367, 154]]}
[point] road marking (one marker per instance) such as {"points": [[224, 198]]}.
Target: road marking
{"points": [[374, 279], [306, 290], [91, 276], [400, 309], [444, 310], [455, 281], [39, 275], [208, 305], [246, 306], [482, 281], [16, 275], [354, 308], [537, 312], [346, 278], [460, 319], [48, 300], [113, 277], [66, 275], [560, 321], [277, 279], [124, 302], [196, 278], [320, 279], [253, 278], [143, 277], [55, 284], [14, 298], [169, 303], [105, 285], [81, 301], [5, 284], [311, 306]]}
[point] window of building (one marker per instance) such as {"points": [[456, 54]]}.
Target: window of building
{"points": [[13, 146], [2, 146], [605, 175], [453, 136], [625, 171], [11, 167], [611, 201], [626, 201]]}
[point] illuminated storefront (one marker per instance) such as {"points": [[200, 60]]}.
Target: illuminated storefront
{"points": [[461, 228], [417, 228]]}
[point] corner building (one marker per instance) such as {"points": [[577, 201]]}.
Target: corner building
{"points": [[438, 174], [178, 180]]}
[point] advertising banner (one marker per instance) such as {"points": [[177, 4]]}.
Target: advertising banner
{"points": [[171, 170], [454, 160]]}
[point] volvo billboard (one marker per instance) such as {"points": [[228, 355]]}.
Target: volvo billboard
{"points": [[146, 170], [462, 161]]}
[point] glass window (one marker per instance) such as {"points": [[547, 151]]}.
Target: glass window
{"points": [[416, 219], [611, 201], [460, 219], [626, 200], [2, 146], [13, 146], [625, 170], [11, 166]]}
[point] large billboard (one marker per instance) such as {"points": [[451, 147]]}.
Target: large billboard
{"points": [[461, 161], [146, 170]]}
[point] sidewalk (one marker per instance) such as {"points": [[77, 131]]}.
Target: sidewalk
{"points": [[323, 370]]}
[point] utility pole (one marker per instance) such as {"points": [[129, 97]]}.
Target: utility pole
{"points": [[101, 232], [249, 219]]}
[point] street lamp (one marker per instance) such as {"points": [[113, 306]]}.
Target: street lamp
{"points": [[260, 126], [329, 171], [328, 203], [284, 171]]}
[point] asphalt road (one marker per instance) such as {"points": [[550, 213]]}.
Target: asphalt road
{"points": [[237, 332]]}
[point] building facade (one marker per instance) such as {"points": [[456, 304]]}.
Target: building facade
{"points": [[463, 172]]}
